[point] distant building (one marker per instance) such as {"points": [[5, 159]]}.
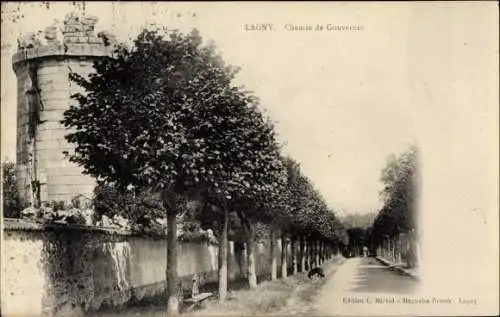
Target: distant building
{"points": [[42, 65]]}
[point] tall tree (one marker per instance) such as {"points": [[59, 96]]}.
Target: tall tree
{"points": [[357, 240], [310, 219], [400, 179], [165, 116], [262, 207]]}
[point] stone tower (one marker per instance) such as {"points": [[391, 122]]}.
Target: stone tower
{"points": [[42, 65]]}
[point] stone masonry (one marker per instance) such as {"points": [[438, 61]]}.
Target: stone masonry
{"points": [[42, 65]]}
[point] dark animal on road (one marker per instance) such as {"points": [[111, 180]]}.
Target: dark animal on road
{"points": [[316, 271]]}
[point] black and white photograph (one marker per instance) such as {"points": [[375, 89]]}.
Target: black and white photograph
{"points": [[249, 159]]}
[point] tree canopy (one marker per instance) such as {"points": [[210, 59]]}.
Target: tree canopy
{"points": [[400, 178], [165, 114]]}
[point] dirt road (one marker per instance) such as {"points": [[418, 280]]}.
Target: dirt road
{"points": [[364, 285]]}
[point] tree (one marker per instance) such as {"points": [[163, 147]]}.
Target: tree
{"points": [[313, 224], [357, 239], [400, 177], [258, 208], [359, 220], [164, 115], [11, 203], [269, 208]]}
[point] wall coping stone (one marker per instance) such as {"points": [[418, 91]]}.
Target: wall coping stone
{"points": [[16, 224], [12, 224]]}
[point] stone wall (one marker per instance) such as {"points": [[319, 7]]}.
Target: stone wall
{"points": [[54, 270], [403, 248]]}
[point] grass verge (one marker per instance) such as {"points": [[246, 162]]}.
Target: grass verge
{"points": [[283, 297]]}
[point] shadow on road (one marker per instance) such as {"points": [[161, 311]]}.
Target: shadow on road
{"points": [[373, 277]]}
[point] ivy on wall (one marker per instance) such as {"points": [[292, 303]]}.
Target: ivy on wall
{"points": [[35, 106]]}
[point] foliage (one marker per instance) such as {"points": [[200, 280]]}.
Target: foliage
{"points": [[11, 203], [398, 212], [358, 220], [308, 213], [145, 211], [141, 208], [294, 207], [164, 116], [357, 239]]}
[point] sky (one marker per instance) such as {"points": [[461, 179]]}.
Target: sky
{"points": [[340, 99]]}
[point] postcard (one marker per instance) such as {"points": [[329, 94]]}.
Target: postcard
{"points": [[250, 158]]}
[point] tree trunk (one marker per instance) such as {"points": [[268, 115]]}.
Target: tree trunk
{"points": [[230, 263], [250, 248], [322, 252], [284, 253], [311, 254], [308, 255], [318, 253], [172, 280], [223, 272], [316, 246], [239, 248], [302, 264], [394, 251], [315, 253], [318, 263], [252, 276], [294, 254], [274, 268], [390, 249]]}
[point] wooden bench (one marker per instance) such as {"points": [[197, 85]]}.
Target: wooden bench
{"points": [[196, 297], [196, 300]]}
